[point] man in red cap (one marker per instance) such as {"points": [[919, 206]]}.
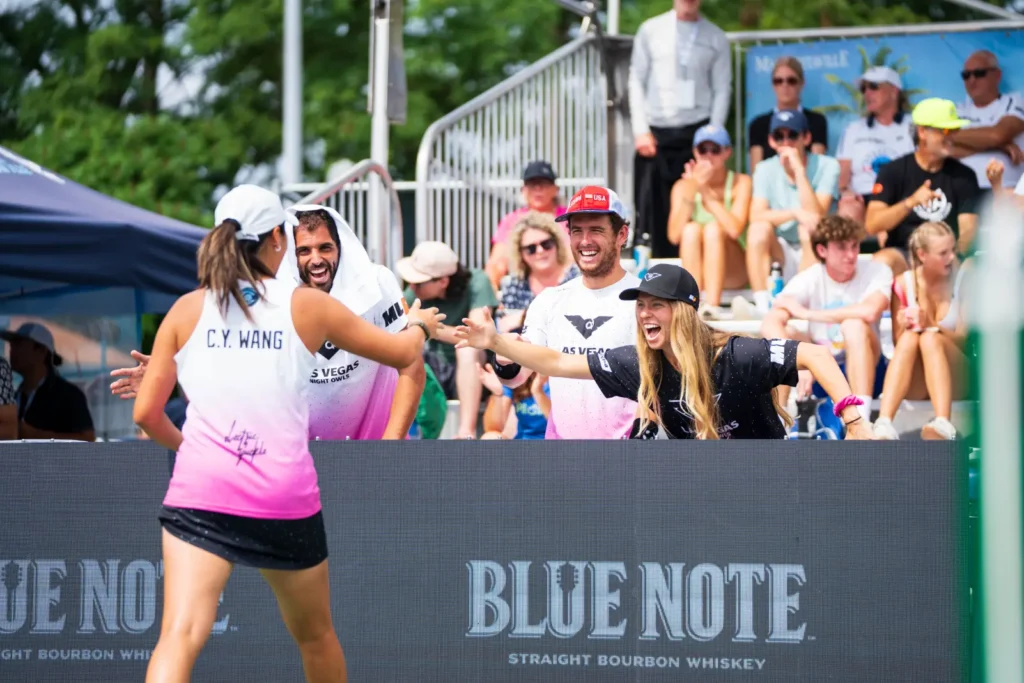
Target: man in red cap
{"points": [[584, 316]]}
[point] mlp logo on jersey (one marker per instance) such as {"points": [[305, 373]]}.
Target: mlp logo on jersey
{"points": [[328, 350], [587, 326]]}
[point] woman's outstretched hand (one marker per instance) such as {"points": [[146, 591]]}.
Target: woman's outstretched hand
{"points": [[478, 334], [428, 316]]}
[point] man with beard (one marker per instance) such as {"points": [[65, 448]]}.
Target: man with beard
{"points": [[350, 397], [584, 316]]}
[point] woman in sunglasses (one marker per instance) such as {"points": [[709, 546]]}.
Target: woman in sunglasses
{"points": [[708, 219], [788, 84], [538, 258], [689, 380]]}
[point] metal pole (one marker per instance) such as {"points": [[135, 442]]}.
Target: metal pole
{"points": [[377, 212], [985, 8], [291, 152], [613, 18]]}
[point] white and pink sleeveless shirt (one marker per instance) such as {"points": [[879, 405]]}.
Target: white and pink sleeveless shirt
{"points": [[245, 450]]}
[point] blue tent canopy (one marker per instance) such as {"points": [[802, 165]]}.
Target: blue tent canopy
{"points": [[59, 239]]}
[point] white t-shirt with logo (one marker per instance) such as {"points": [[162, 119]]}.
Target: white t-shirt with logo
{"points": [[574, 319], [868, 148], [350, 396], [814, 289], [989, 115], [1019, 190]]}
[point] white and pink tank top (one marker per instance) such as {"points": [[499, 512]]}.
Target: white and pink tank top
{"points": [[245, 450]]}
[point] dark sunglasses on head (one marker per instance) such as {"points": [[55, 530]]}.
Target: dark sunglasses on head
{"points": [[944, 131], [786, 135], [532, 249], [977, 73], [864, 87], [789, 80], [708, 150]]}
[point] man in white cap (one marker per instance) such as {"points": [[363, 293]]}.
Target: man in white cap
{"points": [[350, 397], [996, 122], [874, 140], [436, 278], [49, 406]]}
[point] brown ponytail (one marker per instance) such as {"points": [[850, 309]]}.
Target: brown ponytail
{"points": [[224, 260]]}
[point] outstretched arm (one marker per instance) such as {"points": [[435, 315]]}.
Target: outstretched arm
{"points": [[482, 334]]}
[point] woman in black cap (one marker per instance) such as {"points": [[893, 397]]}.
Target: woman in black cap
{"points": [[689, 380]]}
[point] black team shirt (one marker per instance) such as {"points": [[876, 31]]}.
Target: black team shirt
{"points": [[743, 375]]}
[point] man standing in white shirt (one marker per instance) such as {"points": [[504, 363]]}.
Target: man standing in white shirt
{"points": [[680, 78], [843, 299], [996, 129], [872, 141], [585, 316]]}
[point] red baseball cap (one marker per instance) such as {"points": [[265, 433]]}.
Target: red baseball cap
{"points": [[594, 199]]}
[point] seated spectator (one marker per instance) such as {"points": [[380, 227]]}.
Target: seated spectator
{"points": [[8, 403], [930, 334], [520, 413], [843, 300], [708, 220], [874, 140], [49, 406], [540, 194], [924, 186], [539, 258], [788, 83], [437, 279], [792, 192], [996, 122]]}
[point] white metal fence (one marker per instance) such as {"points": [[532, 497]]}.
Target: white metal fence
{"points": [[470, 163]]}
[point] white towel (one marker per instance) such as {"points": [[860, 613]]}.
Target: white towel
{"points": [[355, 283]]}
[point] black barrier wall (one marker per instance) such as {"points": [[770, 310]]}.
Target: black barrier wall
{"points": [[508, 561]]}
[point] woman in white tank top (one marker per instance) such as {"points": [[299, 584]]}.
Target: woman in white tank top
{"points": [[930, 333], [244, 489]]}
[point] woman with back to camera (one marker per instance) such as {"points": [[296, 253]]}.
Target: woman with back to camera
{"points": [[690, 381], [244, 489], [930, 332]]}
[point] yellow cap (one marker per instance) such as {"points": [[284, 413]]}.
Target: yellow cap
{"points": [[935, 112]]}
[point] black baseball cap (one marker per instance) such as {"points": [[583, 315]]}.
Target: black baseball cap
{"points": [[666, 281], [539, 170]]}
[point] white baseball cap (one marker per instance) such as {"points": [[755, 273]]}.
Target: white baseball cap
{"points": [[428, 261], [881, 74], [34, 332], [255, 209]]}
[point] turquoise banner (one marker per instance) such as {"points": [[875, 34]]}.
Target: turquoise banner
{"points": [[929, 66]]}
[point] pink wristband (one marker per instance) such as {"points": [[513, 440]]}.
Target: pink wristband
{"points": [[850, 400]]}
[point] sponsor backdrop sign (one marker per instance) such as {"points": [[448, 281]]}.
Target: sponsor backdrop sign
{"points": [[570, 561], [929, 66]]}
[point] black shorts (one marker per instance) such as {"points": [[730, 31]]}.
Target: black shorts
{"points": [[250, 542]]}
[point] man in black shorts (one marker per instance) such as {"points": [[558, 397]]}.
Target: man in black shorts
{"points": [[927, 185]]}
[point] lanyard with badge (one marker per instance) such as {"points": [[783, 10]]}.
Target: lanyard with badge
{"points": [[687, 87]]}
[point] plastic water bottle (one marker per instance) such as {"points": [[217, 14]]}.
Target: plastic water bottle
{"points": [[642, 255], [775, 282]]}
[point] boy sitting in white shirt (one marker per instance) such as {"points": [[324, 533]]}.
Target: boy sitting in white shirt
{"points": [[843, 300]]}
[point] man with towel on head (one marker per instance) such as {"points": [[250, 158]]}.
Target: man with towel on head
{"points": [[349, 397]]}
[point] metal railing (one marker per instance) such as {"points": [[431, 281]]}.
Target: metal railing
{"points": [[469, 166], [349, 195]]}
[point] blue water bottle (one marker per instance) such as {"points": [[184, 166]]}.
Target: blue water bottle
{"points": [[642, 255], [775, 283]]}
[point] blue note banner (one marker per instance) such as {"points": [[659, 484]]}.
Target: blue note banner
{"points": [[929, 66]]}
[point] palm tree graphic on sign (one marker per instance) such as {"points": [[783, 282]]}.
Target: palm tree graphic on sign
{"points": [[880, 58]]}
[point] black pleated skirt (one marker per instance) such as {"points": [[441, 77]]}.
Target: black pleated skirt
{"points": [[287, 544]]}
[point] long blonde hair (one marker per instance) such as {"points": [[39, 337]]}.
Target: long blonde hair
{"points": [[921, 239], [535, 220], [696, 346]]}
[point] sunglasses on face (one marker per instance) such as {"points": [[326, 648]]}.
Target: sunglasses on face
{"points": [[864, 87], [709, 150], [945, 131], [976, 73], [788, 80], [786, 136], [532, 249]]}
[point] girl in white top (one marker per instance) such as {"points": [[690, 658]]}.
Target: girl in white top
{"points": [[244, 489], [930, 333]]}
